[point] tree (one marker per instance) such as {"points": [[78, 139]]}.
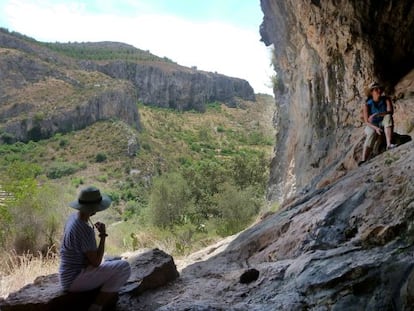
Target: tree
{"points": [[31, 207], [204, 180], [250, 170], [237, 208], [169, 200]]}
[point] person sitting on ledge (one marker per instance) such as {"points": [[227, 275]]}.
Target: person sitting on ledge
{"points": [[377, 113], [81, 267]]}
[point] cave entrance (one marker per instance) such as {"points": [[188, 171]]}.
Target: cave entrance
{"points": [[391, 31]]}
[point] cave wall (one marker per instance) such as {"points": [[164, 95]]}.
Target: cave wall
{"points": [[325, 54]]}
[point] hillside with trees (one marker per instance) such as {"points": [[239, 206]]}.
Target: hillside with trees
{"points": [[187, 180]]}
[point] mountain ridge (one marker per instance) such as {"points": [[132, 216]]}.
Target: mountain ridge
{"points": [[106, 90]]}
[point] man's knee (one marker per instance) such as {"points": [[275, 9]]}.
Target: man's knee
{"points": [[370, 138], [124, 268]]}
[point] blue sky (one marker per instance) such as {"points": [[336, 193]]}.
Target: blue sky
{"points": [[214, 35]]}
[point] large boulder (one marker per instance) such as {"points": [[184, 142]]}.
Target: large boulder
{"points": [[150, 269]]}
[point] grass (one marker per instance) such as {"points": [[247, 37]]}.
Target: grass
{"points": [[18, 270]]}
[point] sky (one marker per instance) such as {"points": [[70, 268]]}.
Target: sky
{"points": [[213, 35]]}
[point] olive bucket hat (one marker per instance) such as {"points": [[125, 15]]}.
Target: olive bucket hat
{"points": [[91, 200]]}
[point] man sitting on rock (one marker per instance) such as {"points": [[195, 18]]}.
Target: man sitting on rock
{"points": [[81, 267], [377, 113]]}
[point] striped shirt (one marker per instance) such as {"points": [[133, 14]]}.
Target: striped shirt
{"points": [[78, 238]]}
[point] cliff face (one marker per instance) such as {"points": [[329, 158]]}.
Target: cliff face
{"points": [[325, 54], [42, 93], [169, 85]]}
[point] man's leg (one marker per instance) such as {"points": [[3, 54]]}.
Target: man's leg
{"points": [[369, 141], [388, 135], [366, 152], [110, 276], [119, 274], [388, 129]]}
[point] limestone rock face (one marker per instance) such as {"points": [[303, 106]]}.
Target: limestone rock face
{"points": [[169, 85], [42, 93], [325, 54], [117, 103]]}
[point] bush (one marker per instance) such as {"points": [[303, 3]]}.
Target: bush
{"points": [[100, 157], [146, 146], [34, 210], [237, 209], [77, 181], [132, 208], [60, 169], [7, 138], [169, 200], [204, 180], [63, 142], [102, 178], [250, 170], [220, 129]]}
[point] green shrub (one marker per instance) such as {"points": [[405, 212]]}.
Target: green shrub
{"points": [[81, 165], [7, 138], [100, 157], [115, 197], [227, 151], [169, 200], [204, 134], [250, 169], [195, 147], [237, 209], [63, 142], [146, 146], [60, 169], [102, 178], [39, 116], [216, 106], [132, 208], [77, 181], [34, 206]]}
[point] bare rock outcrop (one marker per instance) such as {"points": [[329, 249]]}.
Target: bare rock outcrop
{"points": [[150, 269], [345, 247], [115, 102], [325, 54], [169, 85], [43, 93]]}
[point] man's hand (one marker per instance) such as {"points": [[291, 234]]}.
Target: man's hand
{"points": [[371, 117], [378, 130], [101, 227]]}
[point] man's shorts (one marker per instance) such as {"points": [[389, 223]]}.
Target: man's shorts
{"points": [[371, 135]]}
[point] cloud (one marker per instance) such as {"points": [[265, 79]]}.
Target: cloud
{"points": [[211, 46]]}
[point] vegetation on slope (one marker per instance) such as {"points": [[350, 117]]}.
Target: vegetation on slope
{"points": [[196, 177], [101, 51]]}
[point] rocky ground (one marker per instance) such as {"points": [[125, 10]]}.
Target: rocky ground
{"points": [[347, 246]]}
